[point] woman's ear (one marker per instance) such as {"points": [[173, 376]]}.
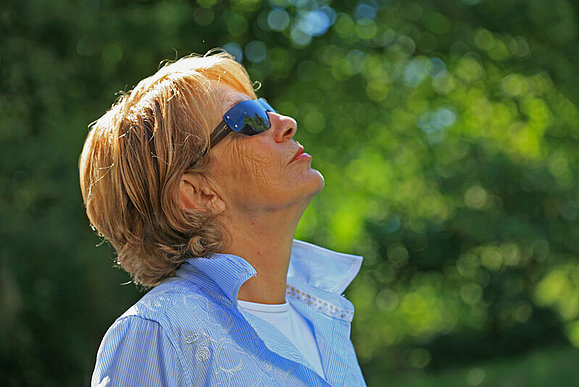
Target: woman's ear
{"points": [[195, 195]]}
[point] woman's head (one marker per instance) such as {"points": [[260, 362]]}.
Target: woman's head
{"points": [[136, 154], [262, 174]]}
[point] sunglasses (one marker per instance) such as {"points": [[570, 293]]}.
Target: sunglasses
{"points": [[246, 117]]}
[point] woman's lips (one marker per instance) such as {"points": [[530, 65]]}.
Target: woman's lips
{"points": [[300, 155]]}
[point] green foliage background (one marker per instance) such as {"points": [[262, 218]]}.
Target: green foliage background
{"points": [[446, 131]]}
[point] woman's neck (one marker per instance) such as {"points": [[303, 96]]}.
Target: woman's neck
{"points": [[265, 241]]}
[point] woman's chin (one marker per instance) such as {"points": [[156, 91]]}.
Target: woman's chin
{"points": [[321, 180], [315, 184]]}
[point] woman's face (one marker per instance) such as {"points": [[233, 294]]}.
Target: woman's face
{"points": [[261, 173]]}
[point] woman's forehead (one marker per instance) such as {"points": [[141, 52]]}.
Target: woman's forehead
{"points": [[230, 97]]}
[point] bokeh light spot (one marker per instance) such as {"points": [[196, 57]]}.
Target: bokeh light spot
{"points": [[416, 71], [420, 357], [235, 50], [475, 197], [365, 11], [278, 19], [299, 37], [469, 69], [313, 23], [314, 121], [484, 39], [398, 254], [387, 300], [112, 54], [514, 85], [475, 376], [256, 51], [471, 293], [491, 258]]}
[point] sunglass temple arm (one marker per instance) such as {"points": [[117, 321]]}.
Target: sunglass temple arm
{"points": [[219, 134]]}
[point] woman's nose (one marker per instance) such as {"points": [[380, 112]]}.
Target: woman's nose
{"points": [[284, 127]]}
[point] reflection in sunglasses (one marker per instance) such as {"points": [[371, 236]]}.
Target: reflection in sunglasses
{"points": [[254, 124]]}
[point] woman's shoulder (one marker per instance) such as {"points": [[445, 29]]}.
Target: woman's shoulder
{"points": [[182, 305], [137, 351]]}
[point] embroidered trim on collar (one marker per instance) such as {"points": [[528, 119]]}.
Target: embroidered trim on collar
{"points": [[319, 304]]}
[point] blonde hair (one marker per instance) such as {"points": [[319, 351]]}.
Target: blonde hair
{"points": [[136, 154]]}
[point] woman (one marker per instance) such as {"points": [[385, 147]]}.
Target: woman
{"points": [[199, 187]]}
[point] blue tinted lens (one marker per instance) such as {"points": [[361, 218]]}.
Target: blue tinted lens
{"points": [[249, 117], [266, 105]]}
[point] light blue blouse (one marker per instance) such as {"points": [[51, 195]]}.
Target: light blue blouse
{"points": [[189, 331]]}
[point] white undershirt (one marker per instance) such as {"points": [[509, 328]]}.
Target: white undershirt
{"points": [[293, 325]]}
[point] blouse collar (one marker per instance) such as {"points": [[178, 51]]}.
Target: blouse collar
{"points": [[309, 264]]}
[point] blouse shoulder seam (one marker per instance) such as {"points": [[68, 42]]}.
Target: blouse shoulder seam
{"points": [[167, 334]]}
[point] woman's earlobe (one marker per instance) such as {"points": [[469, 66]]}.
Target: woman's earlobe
{"points": [[217, 205]]}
